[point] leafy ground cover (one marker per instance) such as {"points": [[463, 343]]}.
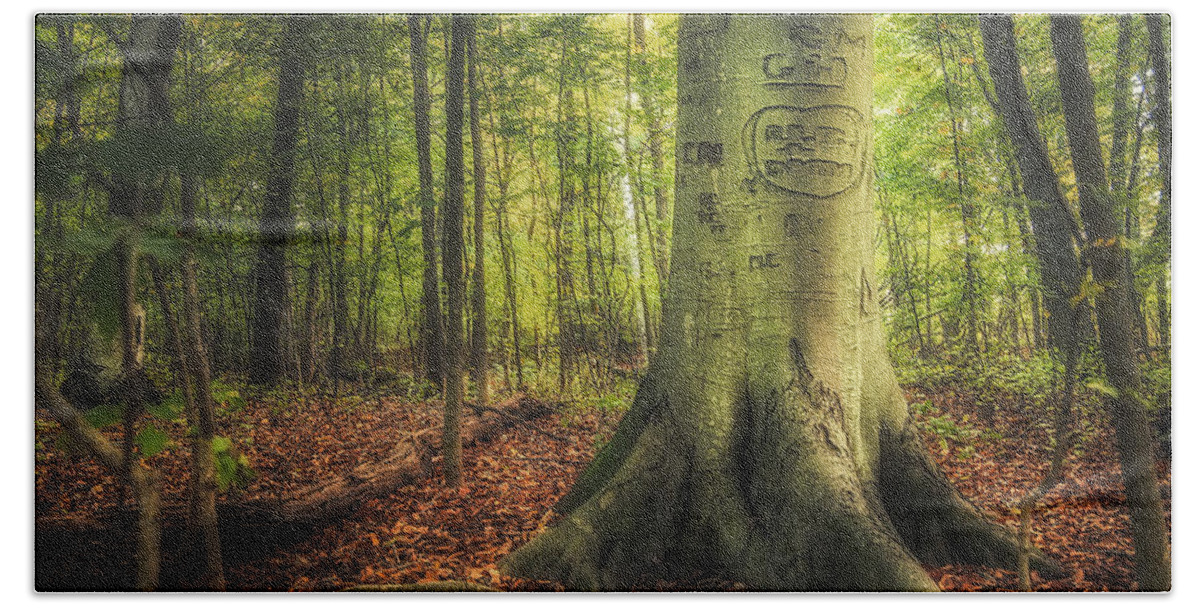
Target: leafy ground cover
{"points": [[425, 533]]}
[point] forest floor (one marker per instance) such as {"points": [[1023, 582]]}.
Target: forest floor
{"points": [[424, 532]]}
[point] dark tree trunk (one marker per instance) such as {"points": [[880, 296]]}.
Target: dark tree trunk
{"points": [[337, 362], [1122, 120], [268, 361], [479, 318], [1160, 239], [1113, 312], [461, 29], [1052, 223], [433, 342]]}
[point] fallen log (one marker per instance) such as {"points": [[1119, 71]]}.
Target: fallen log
{"points": [[408, 463], [92, 552]]}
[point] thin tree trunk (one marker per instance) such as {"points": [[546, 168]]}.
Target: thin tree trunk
{"points": [[1121, 121], [479, 318], [433, 341], [461, 30], [659, 228], [643, 327], [1160, 239], [204, 464], [967, 209], [1133, 227], [1113, 309]]}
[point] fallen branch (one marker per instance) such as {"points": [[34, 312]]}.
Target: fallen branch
{"points": [[409, 462], [479, 409], [253, 528]]}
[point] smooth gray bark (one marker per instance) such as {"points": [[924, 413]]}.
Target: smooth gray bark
{"points": [[769, 442]]}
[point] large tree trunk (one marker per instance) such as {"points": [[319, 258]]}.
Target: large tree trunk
{"points": [[432, 338], [1113, 310], [769, 443], [268, 360], [461, 27]]}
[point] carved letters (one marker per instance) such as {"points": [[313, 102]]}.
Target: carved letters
{"points": [[811, 69], [766, 260], [816, 151], [701, 153]]}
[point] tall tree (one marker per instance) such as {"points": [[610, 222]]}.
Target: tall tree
{"points": [[643, 326], [144, 113], [433, 341], [1053, 225], [769, 442], [654, 136], [965, 204], [204, 507], [461, 29], [1106, 256], [503, 158], [269, 359], [1160, 239], [479, 318], [1122, 121]]}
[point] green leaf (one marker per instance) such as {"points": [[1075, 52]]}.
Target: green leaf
{"points": [[170, 409], [232, 468], [221, 445], [104, 415], [1102, 387], [151, 440]]}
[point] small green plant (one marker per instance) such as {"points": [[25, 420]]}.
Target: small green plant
{"points": [[232, 467], [227, 396], [946, 430]]}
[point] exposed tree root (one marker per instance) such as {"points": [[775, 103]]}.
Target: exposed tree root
{"points": [[938, 525], [773, 500]]}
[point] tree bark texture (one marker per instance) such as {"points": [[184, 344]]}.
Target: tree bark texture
{"points": [[268, 360], [432, 338], [1160, 239], [148, 54], [1107, 259], [479, 318], [452, 250], [769, 442], [1052, 223]]}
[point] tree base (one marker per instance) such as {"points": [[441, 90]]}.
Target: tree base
{"points": [[777, 503]]}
